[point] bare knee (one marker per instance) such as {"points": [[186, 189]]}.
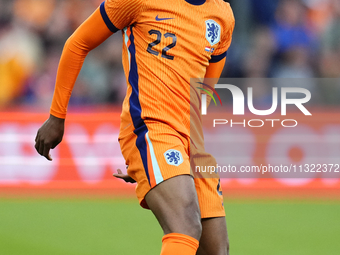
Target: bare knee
{"points": [[187, 219]]}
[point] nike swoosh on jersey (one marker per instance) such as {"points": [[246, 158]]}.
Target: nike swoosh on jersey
{"points": [[160, 19]]}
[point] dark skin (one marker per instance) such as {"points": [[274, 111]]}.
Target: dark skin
{"points": [[124, 177], [175, 205], [214, 237], [49, 135], [177, 194]]}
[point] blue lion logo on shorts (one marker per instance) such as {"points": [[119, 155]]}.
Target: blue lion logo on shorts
{"points": [[213, 32], [173, 157]]}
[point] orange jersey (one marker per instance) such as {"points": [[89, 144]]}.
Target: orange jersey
{"points": [[165, 44]]}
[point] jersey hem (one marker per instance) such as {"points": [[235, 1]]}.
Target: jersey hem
{"points": [[196, 2], [58, 115], [106, 19], [215, 59]]}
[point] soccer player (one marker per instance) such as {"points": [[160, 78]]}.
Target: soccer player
{"points": [[165, 44]]}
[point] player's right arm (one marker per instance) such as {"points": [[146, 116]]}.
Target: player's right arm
{"points": [[111, 16], [88, 36]]}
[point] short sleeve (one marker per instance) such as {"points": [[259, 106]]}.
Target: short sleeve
{"points": [[118, 14], [226, 37]]}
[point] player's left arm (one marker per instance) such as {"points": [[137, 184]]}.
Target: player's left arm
{"points": [[214, 70], [124, 177], [218, 59], [212, 75]]}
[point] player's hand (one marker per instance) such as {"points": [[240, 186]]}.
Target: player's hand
{"points": [[49, 136], [124, 177]]}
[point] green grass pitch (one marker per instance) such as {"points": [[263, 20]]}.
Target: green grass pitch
{"points": [[103, 226]]}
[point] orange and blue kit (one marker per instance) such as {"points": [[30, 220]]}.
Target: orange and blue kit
{"points": [[165, 44]]}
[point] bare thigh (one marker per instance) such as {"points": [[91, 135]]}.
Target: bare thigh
{"points": [[174, 203]]}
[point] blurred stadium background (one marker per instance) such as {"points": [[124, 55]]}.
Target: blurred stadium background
{"points": [[73, 206]]}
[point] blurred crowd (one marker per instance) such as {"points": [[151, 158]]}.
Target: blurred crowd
{"points": [[272, 38]]}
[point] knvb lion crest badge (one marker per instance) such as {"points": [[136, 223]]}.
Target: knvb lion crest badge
{"points": [[173, 157], [213, 32]]}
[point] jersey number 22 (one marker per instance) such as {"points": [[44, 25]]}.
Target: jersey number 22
{"points": [[158, 40]]}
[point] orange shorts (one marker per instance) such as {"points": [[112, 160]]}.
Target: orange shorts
{"points": [[156, 152]]}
